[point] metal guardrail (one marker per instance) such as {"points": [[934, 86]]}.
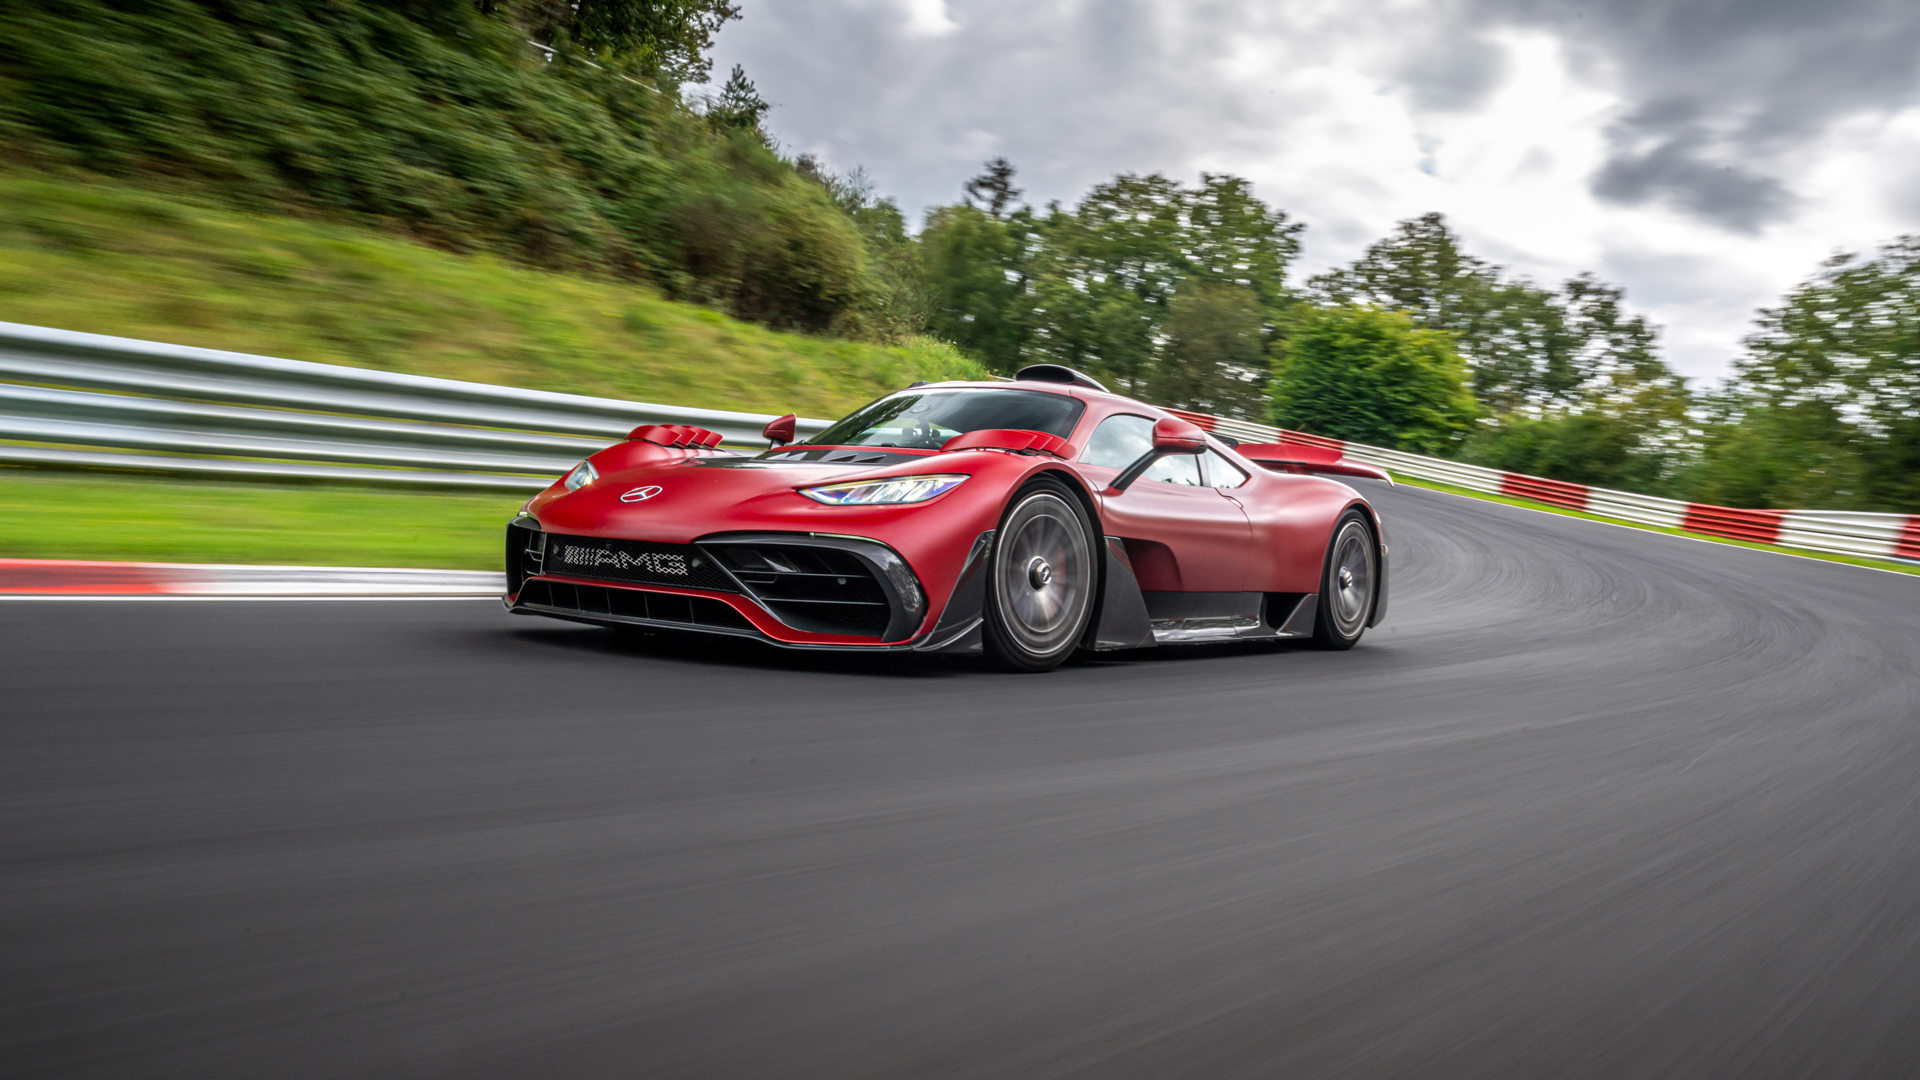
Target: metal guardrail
{"points": [[76, 399], [87, 400], [1881, 536]]}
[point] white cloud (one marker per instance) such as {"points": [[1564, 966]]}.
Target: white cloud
{"points": [[928, 18], [1554, 142]]}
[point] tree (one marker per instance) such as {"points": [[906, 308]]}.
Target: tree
{"points": [[739, 105], [1214, 355], [895, 301], [1371, 376], [1533, 351], [976, 269], [1160, 288], [994, 187], [1582, 448], [1825, 406], [664, 38], [1105, 276]]}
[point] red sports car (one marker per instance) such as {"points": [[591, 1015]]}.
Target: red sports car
{"points": [[1021, 520]]}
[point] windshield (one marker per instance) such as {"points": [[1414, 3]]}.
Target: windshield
{"points": [[926, 419]]}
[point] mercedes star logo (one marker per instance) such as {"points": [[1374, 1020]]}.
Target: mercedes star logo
{"points": [[641, 494]]}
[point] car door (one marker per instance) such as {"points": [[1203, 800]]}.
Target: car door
{"points": [[1181, 534]]}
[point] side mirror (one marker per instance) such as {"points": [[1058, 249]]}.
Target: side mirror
{"points": [[1170, 436], [779, 432]]}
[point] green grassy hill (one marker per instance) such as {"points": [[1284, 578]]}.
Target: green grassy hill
{"points": [[112, 260]]}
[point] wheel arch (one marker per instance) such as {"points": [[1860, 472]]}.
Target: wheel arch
{"points": [[1078, 487], [1372, 515]]}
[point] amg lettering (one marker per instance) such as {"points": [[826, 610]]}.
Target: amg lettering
{"points": [[646, 561]]}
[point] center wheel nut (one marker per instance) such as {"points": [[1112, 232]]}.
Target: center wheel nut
{"points": [[1039, 574]]}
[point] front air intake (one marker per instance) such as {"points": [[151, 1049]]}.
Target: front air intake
{"points": [[632, 604], [821, 590]]}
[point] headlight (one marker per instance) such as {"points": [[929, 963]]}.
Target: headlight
{"points": [[582, 475], [890, 492]]}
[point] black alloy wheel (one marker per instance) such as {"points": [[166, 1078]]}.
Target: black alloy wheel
{"points": [[1348, 583], [1040, 579]]}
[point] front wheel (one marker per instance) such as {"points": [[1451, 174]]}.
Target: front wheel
{"points": [[1347, 584], [1040, 579]]}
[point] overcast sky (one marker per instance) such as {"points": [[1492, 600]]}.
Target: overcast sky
{"points": [[1705, 154]]}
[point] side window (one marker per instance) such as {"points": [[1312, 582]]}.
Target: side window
{"points": [[1119, 441], [1175, 469], [1222, 473]]}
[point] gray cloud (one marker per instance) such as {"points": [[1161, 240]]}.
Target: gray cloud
{"points": [[1072, 91], [1680, 170], [1720, 96], [1454, 71]]}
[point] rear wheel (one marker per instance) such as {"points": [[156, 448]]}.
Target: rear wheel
{"points": [[1347, 584], [1040, 579]]}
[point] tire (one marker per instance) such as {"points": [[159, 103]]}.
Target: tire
{"points": [[1040, 579], [1348, 583]]}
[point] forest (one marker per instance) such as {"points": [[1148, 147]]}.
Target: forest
{"points": [[592, 138]]}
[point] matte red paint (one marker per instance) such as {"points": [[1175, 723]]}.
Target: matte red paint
{"points": [[780, 429], [1270, 534], [1174, 434], [675, 435]]}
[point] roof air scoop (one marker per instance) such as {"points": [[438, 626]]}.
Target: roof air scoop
{"points": [[1057, 373]]}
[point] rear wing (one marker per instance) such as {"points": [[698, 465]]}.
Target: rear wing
{"points": [[1297, 458]]}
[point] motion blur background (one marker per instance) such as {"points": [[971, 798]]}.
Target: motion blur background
{"points": [[1591, 802], [578, 197]]}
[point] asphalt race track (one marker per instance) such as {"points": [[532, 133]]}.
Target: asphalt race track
{"points": [[1593, 803]]}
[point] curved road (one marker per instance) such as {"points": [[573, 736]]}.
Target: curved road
{"points": [[1593, 803]]}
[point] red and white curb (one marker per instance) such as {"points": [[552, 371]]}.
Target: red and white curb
{"points": [[54, 578]]}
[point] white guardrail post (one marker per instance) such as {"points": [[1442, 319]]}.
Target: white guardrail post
{"points": [[87, 400]]}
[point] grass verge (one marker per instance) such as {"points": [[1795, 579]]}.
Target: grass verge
{"points": [[51, 515], [1528, 504], [113, 260]]}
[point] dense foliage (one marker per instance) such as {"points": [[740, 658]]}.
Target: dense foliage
{"points": [[438, 118], [1824, 409], [1171, 292], [662, 38], [1372, 376]]}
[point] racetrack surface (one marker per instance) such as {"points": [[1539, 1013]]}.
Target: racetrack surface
{"points": [[1594, 802]]}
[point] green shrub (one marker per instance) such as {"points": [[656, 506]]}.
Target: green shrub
{"points": [[433, 119], [1370, 376]]}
